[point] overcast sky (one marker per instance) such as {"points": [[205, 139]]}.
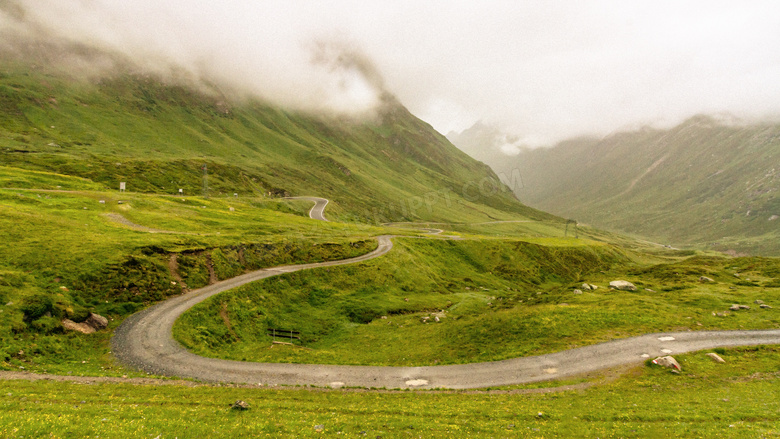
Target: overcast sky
{"points": [[543, 70]]}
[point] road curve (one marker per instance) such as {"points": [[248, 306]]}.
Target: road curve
{"points": [[318, 211], [145, 341]]}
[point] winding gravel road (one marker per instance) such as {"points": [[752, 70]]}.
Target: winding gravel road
{"points": [[144, 341], [318, 211]]}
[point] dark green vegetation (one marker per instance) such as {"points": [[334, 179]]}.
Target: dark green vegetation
{"points": [[495, 299], [736, 399], [704, 183]]}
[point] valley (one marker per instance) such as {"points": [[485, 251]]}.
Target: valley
{"points": [[452, 283]]}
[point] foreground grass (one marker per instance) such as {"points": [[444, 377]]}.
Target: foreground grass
{"points": [[736, 399]]}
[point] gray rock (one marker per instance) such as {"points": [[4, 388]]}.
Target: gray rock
{"points": [[577, 291], [715, 357], [759, 302], [668, 362], [594, 287], [586, 286], [622, 285], [70, 325], [765, 306], [240, 405], [706, 279], [96, 321], [736, 307]]}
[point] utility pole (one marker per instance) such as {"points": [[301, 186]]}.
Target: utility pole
{"points": [[566, 232], [205, 181]]}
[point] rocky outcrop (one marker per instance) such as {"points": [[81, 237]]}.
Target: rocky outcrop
{"points": [[240, 405], [622, 285], [95, 322], [70, 325]]}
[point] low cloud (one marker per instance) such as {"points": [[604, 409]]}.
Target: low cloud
{"points": [[542, 71]]}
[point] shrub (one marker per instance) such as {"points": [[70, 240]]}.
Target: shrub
{"points": [[47, 325], [77, 313], [36, 306]]}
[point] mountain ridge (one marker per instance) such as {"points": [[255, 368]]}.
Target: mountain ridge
{"points": [[705, 182], [158, 136]]}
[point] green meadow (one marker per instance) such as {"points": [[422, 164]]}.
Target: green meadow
{"points": [[736, 399]]}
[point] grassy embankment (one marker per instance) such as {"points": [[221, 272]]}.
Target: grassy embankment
{"points": [[495, 299]]}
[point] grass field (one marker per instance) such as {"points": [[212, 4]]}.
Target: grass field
{"points": [[736, 399]]}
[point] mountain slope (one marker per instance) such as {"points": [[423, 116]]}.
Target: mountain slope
{"points": [[705, 182], [157, 136]]}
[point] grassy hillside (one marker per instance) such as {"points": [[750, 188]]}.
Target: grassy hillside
{"points": [[704, 183], [156, 136], [494, 299], [74, 244]]}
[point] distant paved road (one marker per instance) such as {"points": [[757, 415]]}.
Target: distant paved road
{"points": [[145, 341], [318, 211]]}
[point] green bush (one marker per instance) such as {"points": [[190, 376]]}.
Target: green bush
{"points": [[36, 306], [47, 325], [77, 313], [17, 325]]}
